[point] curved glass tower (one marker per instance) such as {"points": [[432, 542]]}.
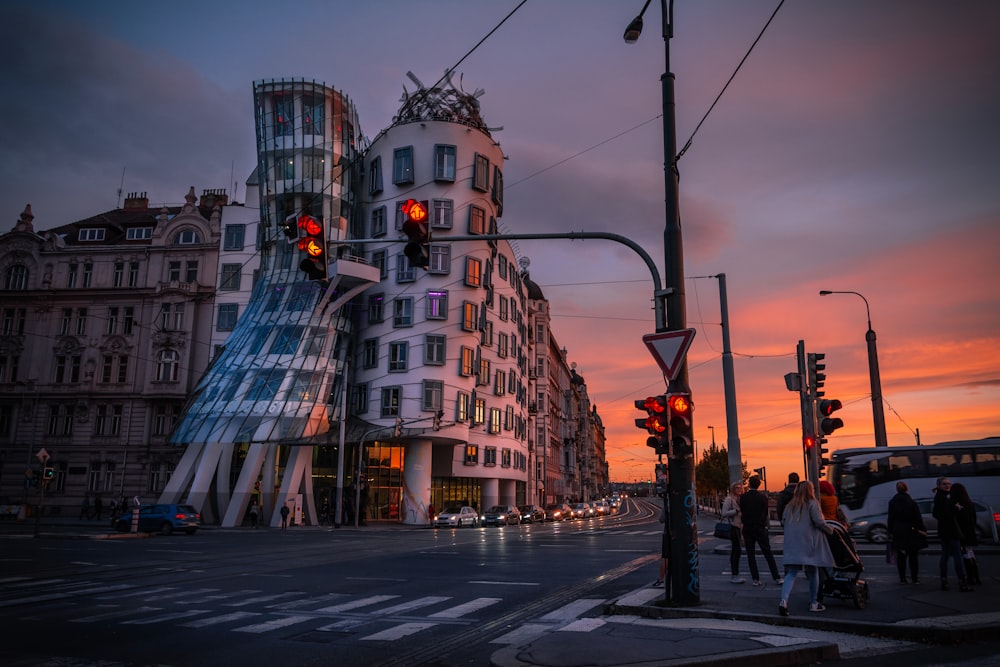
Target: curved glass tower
{"points": [[272, 393]]}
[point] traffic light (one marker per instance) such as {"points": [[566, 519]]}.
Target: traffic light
{"points": [[417, 230], [290, 228], [397, 430], [437, 419], [824, 422], [48, 474], [312, 243], [680, 407], [656, 422], [817, 378]]}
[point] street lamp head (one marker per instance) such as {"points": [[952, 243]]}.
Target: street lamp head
{"points": [[633, 30], [824, 292]]}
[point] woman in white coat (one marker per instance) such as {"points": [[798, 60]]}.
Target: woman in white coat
{"points": [[731, 513], [805, 546]]}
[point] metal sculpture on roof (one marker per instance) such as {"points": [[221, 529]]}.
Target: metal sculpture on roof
{"points": [[444, 101]]}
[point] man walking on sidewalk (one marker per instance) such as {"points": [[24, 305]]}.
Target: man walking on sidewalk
{"points": [[754, 511]]}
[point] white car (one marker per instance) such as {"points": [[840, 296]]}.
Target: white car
{"points": [[456, 517]]}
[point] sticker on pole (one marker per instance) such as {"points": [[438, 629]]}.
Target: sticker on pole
{"points": [[669, 349]]}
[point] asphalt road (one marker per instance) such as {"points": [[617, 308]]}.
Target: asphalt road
{"points": [[313, 596]]}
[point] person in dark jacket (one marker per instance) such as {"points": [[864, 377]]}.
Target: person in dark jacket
{"points": [[967, 526], [946, 514], [785, 495], [909, 536], [754, 514]]}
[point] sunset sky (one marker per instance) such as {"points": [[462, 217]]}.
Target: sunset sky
{"points": [[858, 149]]}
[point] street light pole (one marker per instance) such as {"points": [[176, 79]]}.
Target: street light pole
{"points": [[878, 412], [684, 587]]}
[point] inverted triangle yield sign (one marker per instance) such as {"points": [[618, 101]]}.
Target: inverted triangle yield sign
{"points": [[669, 349]]}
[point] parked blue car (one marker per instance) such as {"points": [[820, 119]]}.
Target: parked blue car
{"points": [[161, 518]]}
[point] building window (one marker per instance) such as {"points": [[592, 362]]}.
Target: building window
{"points": [[479, 415], [312, 167], [508, 422], [128, 320], [13, 321], [284, 168], [119, 274], [484, 372], [439, 260], [164, 419], [486, 339], [468, 362], [500, 383], [441, 213], [287, 339], [187, 237], [88, 274], [489, 456], [473, 272], [462, 407], [60, 419], [81, 321], [498, 189], [67, 368], [227, 316], [264, 384], [379, 262], [504, 309], [432, 395], [359, 398], [540, 367], [172, 316], [375, 176], [376, 309], [370, 353], [437, 305], [471, 455], [174, 271], [391, 397], [444, 162], [112, 321], [470, 316], [402, 311], [230, 277], [167, 366], [434, 349], [312, 115], [505, 457], [502, 345], [91, 234], [379, 224], [191, 271], [284, 112], [397, 356], [133, 274], [481, 177], [404, 272], [160, 473], [477, 220], [138, 233], [402, 165], [234, 237], [502, 267], [494, 420]]}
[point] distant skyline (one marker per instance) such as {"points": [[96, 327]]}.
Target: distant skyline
{"points": [[856, 150]]}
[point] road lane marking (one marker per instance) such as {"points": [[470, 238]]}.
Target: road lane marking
{"points": [[398, 632], [411, 605], [466, 608], [354, 604], [274, 624], [215, 620], [572, 610], [166, 617]]}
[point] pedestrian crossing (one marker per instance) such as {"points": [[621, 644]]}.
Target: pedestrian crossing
{"points": [[367, 618]]}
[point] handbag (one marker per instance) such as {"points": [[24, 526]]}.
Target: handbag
{"points": [[723, 530]]}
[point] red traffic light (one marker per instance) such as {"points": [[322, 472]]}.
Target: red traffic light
{"points": [[808, 441], [313, 244], [679, 405], [310, 225], [415, 210]]}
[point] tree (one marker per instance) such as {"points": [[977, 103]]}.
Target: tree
{"points": [[712, 473]]}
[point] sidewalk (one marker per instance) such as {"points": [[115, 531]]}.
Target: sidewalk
{"points": [[738, 624]]}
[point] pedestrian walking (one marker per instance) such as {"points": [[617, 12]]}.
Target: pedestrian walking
{"points": [[430, 514], [785, 495], [806, 547], [284, 516], [254, 515], [946, 513], [907, 531], [969, 537], [85, 507], [756, 519], [98, 506], [731, 513]]}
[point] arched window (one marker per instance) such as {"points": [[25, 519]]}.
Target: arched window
{"points": [[167, 366], [16, 277], [187, 237]]}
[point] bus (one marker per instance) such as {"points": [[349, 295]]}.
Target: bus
{"points": [[865, 478]]}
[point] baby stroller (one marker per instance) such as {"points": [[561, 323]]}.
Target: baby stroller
{"points": [[844, 581]]}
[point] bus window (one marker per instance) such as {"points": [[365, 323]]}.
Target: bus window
{"points": [[987, 462]]}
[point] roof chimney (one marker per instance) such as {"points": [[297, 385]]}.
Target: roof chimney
{"points": [[213, 198], [136, 200]]}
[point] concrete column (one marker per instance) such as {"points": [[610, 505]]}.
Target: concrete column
{"points": [[416, 482], [489, 492], [508, 492]]}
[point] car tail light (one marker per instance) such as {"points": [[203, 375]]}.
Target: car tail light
{"points": [[996, 517]]}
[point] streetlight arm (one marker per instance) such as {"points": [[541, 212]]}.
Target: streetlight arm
{"points": [[868, 311]]}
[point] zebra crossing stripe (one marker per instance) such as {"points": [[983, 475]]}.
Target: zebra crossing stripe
{"points": [[398, 632], [354, 604], [166, 617], [583, 625], [231, 594], [114, 614], [215, 620], [411, 605], [465, 608], [274, 624], [133, 594], [306, 602], [572, 610], [343, 626], [262, 598], [523, 634], [48, 597], [198, 592]]}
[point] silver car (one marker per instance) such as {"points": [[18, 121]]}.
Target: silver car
{"points": [[456, 517]]}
